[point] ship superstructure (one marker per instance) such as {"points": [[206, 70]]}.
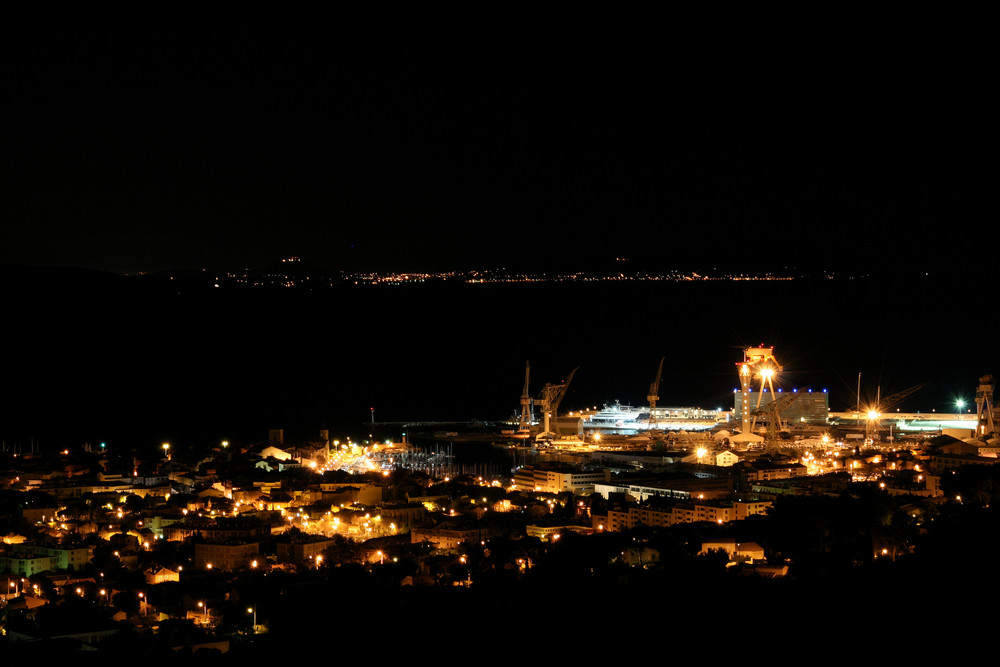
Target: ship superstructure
{"points": [[628, 420]]}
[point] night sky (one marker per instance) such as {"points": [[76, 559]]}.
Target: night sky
{"points": [[143, 150]]}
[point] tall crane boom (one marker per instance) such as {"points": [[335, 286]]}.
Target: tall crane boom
{"points": [[884, 404], [654, 391], [873, 413], [551, 397], [561, 391], [526, 403]]}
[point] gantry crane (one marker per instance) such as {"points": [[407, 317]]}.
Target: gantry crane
{"points": [[757, 362], [549, 400], [984, 408], [654, 390], [873, 413]]}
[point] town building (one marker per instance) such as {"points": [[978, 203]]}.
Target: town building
{"points": [[300, 548], [27, 559], [225, 555], [450, 536], [557, 479], [738, 551]]}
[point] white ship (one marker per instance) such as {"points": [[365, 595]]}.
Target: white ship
{"points": [[624, 418], [628, 420]]}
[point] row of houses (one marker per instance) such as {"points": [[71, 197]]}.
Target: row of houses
{"points": [[623, 519]]}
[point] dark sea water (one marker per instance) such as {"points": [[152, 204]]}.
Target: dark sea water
{"points": [[99, 361]]}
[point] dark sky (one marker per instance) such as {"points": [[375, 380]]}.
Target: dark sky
{"points": [[139, 150]]}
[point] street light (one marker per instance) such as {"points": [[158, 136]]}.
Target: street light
{"points": [[253, 610]]}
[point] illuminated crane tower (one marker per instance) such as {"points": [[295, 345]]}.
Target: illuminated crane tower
{"points": [[549, 400], [654, 390], [758, 362], [527, 405], [984, 408]]}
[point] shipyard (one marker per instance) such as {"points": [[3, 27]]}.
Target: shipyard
{"points": [[381, 487]]}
